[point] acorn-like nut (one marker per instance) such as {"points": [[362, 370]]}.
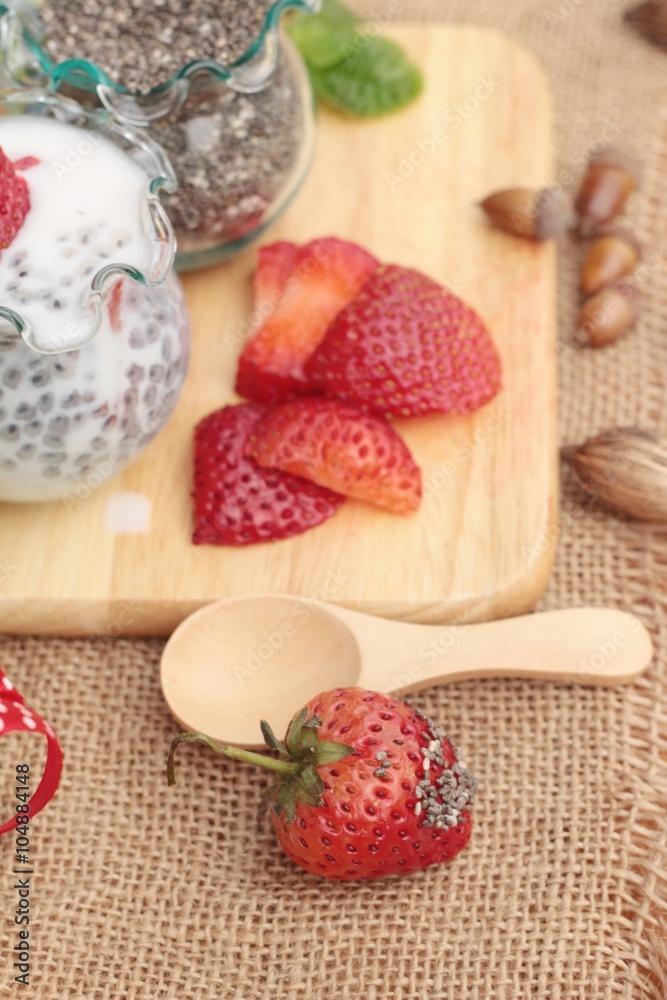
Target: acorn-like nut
{"points": [[608, 314], [537, 215], [650, 20], [609, 178], [625, 469], [613, 254]]}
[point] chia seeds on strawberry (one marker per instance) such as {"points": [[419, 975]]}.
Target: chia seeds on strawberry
{"points": [[233, 153], [453, 791]]}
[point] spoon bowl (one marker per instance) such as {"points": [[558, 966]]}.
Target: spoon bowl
{"points": [[239, 660]]}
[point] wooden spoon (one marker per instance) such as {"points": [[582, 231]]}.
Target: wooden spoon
{"points": [[243, 659]]}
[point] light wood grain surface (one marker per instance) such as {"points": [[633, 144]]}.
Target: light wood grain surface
{"points": [[482, 545]]}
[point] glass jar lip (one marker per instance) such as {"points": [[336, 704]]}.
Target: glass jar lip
{"points": [[58, 73], [157, 227]]}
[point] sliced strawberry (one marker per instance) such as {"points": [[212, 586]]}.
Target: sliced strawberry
{"points": [[238, 503], [324, 276], [14, 201], [275, 263], [405, 346], [341, 446]]}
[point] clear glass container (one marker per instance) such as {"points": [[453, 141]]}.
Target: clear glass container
{"points": [[240, 137], [94, 333]]}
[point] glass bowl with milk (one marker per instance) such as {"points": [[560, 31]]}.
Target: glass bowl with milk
{"points": [[94, 333]]}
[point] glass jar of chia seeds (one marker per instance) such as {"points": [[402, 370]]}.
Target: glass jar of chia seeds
{"points": [[94, 334], [216, 83]]}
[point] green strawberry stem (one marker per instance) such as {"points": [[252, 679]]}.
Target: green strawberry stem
{"points": [[300, 756], [283, 766]]}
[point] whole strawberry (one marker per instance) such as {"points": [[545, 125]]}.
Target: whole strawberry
{"points": [[14, 201], [367, 786]]}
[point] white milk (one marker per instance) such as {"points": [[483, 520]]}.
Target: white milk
{"points": [[70, 420], [86, 211]]}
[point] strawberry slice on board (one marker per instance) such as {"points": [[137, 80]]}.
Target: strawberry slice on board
{"points": [[324, 275], [238, 503], [405, 346], [342, 447], [274, 266], [14, 199]]}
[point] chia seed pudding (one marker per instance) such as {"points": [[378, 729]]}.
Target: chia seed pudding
{"points": [[236, 155], [72, 418]]}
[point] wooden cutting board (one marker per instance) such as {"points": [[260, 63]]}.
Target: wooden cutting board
{"points": [[482, 545]]}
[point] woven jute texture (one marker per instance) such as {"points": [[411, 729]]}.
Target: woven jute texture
{"points": [[147, 893]]}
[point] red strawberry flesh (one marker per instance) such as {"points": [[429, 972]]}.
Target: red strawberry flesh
{"points": [[405, 346], [14, 201], [383, 812], [238, 503], [340, 446], [324, 276], [275, 263]]}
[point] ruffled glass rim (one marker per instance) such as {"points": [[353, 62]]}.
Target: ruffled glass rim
{"points": [[158, 228], [247, 74]]}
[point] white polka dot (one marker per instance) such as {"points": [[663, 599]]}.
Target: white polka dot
{"points": [[25, 711], [30, 723], [2, 724], [3, 707], [8, 684]]}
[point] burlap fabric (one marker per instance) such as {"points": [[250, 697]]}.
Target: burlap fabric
{"points": [[146, 893]]}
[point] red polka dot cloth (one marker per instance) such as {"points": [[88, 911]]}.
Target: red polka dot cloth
{"points": [[15, 716]]}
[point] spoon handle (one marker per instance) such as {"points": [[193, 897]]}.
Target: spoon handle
{"points": [[592, 646]]}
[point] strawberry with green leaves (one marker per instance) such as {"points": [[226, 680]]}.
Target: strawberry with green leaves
{"points": [[366, 786]]}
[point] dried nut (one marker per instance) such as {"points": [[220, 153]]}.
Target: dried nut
{"points": [[613, 254], [536, 215], [608, 179], [625, 469], [608, 314], [650, 20]]}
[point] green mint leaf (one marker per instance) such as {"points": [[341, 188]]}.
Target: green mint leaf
{"points": [[338, 13], [321, 43], [374, 79], [324, 39]]}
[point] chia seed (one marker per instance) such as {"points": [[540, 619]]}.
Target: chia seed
{"points": [[452, 791], [141, 44], [235, 155]]}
